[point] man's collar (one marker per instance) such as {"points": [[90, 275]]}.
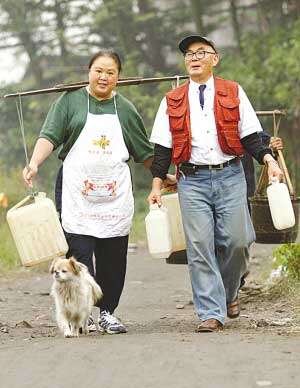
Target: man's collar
{"points": [[209, 84]]}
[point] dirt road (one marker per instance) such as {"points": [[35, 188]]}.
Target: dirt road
{"points": [[161, 349]]}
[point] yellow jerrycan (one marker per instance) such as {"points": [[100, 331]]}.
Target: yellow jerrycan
{"points": [[170, 201], [36, 230]]}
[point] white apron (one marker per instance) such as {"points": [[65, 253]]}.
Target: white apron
{"points": [[97, 195]]}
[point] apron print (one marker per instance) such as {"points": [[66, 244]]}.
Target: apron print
{"points": [[99, 188]]}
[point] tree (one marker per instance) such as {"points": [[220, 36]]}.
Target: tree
{"points": [[235, 24]]}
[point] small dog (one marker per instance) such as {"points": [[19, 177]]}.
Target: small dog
{"points": [[75, 292]]}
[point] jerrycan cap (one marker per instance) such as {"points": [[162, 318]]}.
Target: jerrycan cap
{"points": [[154, 206], [274, 180], [40, 195]]}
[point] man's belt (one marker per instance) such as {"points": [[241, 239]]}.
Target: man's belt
{"points": [[190, 168]]}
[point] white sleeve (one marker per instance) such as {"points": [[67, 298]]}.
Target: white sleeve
{"points": [[249, 122], [161, 133]]}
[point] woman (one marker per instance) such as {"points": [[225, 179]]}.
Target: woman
{"points": [[99, 131]]}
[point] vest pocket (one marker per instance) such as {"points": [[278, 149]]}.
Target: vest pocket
{"points": [[178, 149], [233, 141], [179, 144], [230, 108], [176, 117]]}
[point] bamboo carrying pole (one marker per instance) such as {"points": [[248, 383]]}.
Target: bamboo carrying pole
{"points": [[78, 85], [263, 178]]}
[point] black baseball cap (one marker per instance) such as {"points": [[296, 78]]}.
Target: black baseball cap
{"points": [[185, 42]]}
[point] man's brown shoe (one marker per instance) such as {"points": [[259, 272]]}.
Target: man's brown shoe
{"points": [[209, 326], [233, 309]]}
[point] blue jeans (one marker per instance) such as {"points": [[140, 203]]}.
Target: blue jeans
{"points": [[218, 231]]}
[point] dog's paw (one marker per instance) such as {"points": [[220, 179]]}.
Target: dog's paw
{"points": [[68, 334]]}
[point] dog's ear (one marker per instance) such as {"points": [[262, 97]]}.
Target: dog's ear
{"points": [[82, 266], [75, 266], [51, 269]]}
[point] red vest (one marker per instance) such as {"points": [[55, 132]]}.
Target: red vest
{"points": [[226, 108]]}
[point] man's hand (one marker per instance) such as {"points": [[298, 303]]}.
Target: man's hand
{"points": [[276, 143], [155, 195], [273, 169], [28, 173]]}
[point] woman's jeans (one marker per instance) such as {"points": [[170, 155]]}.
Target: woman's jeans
{"points": [[218, 231]]}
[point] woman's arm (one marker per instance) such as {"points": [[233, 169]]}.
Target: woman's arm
{"points": [[43, 148]]}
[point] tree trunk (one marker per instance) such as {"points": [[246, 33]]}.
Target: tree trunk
{"points": [[17, 15], [153, 39], [61, 28], [235, 24], [197, 12]]}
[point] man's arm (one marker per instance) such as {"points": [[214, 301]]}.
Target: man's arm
{"points": [[249, 127], [159, 170], [253, 145]]}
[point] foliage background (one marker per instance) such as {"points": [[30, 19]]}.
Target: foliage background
{"points": [[259, 43]]}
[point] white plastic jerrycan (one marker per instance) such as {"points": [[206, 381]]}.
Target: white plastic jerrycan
{"points": [[280, 204], [171, 202], [158, 232], [36, 230]]}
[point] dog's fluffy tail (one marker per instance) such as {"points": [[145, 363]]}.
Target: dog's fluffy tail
{"points": [[96, 290]]}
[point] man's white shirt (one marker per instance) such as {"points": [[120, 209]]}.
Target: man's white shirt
{"points": [[205, 145]]}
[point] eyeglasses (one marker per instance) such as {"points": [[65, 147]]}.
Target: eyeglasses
{"points": [[189, 55]]}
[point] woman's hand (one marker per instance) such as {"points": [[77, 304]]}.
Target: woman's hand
{"points": [[42, 150], [28, 173]]}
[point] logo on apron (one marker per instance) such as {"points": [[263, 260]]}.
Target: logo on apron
{"points": [[103, 142]]}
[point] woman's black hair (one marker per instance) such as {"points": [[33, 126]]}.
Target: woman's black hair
{"points": [[107, 53]]}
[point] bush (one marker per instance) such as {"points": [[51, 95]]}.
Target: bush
{"points": [[288, 256]]}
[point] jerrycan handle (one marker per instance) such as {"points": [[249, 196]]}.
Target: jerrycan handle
{"points": [[25, 200]]}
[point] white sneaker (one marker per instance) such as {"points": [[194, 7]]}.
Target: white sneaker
{"points": [[91, 325], [110, 324]]}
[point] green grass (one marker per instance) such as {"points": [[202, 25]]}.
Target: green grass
{"points": [[9, 257], [288, 256], [285, 287]]}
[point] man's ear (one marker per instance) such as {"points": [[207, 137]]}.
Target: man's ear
{"points": [[75, 266], [216, 59]]}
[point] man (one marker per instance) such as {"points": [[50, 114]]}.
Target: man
{"points": [[203, 127]]}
